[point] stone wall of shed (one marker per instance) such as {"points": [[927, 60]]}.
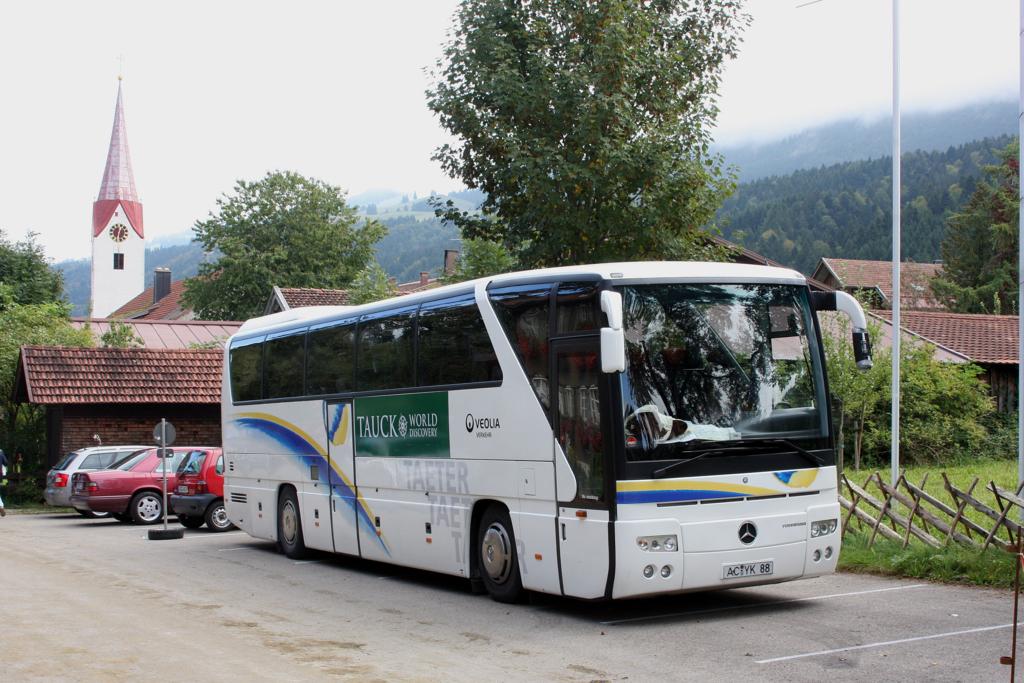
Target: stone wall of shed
{"points": [[196, 425]]}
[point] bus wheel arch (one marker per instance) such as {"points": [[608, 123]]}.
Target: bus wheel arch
{"points": [[289, 523], [494, 556]]}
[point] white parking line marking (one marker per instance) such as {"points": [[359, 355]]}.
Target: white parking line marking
{"points": [[241, 547], [980, 629], [654, 617], [307, 562]]}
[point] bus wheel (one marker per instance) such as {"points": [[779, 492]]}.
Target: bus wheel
{"points": [[498, 564], [289, 526]]}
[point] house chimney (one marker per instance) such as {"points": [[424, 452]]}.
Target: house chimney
{"points": [[450, 257], [424, 277], [161, 283]]}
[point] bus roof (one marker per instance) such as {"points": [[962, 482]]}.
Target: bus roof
{"points": [[682, 271]]}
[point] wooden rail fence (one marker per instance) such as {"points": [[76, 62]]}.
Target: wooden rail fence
{"points": [[908, 512]]}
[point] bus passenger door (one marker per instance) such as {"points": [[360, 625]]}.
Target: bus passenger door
{"points": [[583, 522], [344, 502]]}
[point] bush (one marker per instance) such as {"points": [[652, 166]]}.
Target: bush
{"points": [[946, 412]]}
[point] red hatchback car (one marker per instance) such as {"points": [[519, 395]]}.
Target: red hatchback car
{"points": [[131, 491], [199, 496]]}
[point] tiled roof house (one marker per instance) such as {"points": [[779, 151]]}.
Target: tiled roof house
{"points": [[119, 395], [990, 341], [853, 275]]}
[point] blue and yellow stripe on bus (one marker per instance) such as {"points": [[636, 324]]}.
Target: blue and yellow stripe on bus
{"points": [[303, 446], [682, 490]]}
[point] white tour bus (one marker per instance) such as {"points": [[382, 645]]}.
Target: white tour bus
{"points": [[600, 431]]}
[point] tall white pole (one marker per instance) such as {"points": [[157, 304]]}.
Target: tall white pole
{"points": [[895, 446], [1020, 260]]}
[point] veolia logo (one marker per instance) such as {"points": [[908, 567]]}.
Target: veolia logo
{"points": [[486, 423]]}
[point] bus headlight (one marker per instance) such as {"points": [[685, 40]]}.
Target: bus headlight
{"points": [[823, 527], [658, 544]]}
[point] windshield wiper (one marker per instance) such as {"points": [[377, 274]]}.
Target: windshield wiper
{"points": [[786, 443], [735, 445]]}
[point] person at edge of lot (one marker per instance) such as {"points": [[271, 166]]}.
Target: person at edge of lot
{"points": [[3, 480]]}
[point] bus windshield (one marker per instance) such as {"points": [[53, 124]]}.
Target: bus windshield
{"points": [[718, 363]]}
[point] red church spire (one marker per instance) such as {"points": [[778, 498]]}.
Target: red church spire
{"points": [[118, 186]]}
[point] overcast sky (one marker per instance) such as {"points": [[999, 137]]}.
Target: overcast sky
{"points": [[217, 91]]}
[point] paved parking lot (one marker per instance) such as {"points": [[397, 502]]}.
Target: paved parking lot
{"points": [[96, 600]]}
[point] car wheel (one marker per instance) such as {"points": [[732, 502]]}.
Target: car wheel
{"points": [[289, 525], [497, 562], [146, 507], [93, 515], [190, 522], [217, 517]]}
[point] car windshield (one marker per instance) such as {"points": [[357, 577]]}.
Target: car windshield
{"points": [[129, 460], [717, 363], [192, 463]]}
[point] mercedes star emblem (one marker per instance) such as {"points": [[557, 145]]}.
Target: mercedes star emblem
{"points": [[748, 532]]}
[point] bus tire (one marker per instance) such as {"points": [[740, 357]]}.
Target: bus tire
{"points": [[289, 525], [497, 562]]}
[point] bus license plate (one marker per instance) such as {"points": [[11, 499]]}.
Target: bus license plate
{"points": [[743, 570]]}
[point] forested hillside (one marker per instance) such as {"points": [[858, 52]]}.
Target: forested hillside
{"points": [[839, 210], [844, 210], [841, 141]]}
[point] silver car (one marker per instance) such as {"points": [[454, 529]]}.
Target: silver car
{"points": [[58, 479]]}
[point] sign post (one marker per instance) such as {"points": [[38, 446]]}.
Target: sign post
{"points": [[164, 435]]}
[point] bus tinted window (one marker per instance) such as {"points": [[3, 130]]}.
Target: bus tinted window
{"points": [[285, 357], [247, 372], [576, 307], [523, 312], [454, 347], [329, 364], [385, 351]]}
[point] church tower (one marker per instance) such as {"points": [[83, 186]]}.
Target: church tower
{"points": [[118, 241]]}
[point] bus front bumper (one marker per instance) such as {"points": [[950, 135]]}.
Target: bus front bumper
{"points": [[729, 553]]}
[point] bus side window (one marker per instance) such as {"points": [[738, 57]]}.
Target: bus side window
{"points": [[385, 350], [329, 363], [247, 371], [453, 344], [523, 312], [576, 308], [283, 363]]}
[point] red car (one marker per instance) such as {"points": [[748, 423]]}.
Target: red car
{"points": [[131, 491], [199, 496]]}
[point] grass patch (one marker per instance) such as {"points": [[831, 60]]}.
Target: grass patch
{"points": [[953, 564], [961, 474]]}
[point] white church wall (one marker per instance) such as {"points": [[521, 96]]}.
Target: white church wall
{"points": [[112, 288]]}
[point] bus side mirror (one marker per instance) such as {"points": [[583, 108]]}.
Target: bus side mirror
{"points": [[844, 303], [613, 339]]}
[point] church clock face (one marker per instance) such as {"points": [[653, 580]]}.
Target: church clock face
{"points": [[119, 232]]}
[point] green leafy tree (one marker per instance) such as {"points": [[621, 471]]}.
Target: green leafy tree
{"points": [[371, 284], [586, 125], [122, 336], [23, 428], [480, 258], [979, 271], [858, 392], [945, 408], [26, 273], [285, 230]]}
